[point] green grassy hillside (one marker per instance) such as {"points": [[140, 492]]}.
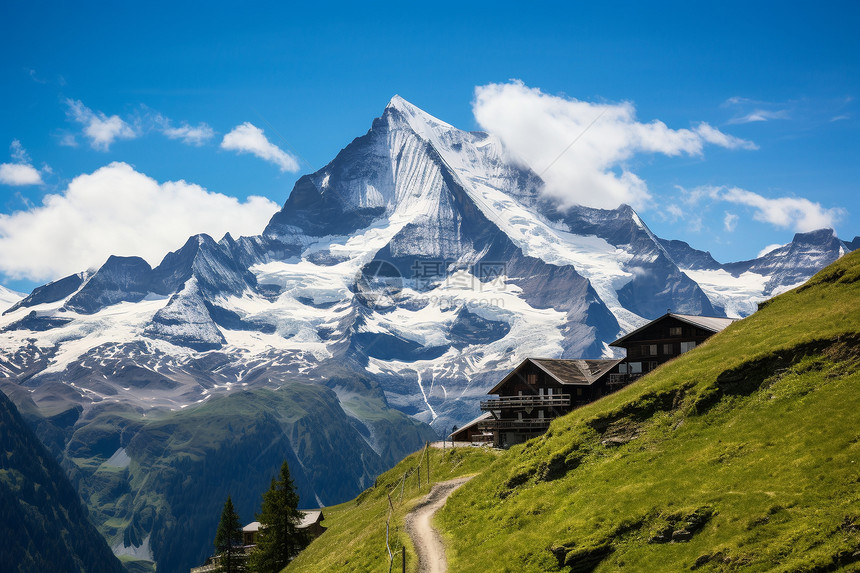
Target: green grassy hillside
{"points": [[741, 455], [355, 538]]}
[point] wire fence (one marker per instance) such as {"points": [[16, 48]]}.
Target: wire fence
{"points": [[423, 459]]}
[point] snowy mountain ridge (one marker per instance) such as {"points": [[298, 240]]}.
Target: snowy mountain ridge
{"points": [[422, 255]]}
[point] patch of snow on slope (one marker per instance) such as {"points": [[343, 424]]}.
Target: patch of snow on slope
{"points": [[9, 297], [122, 322], [739, 296]]}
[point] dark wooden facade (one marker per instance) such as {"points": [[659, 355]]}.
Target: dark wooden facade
{"points": [[540, 390], [472, 431], [661, 340]]}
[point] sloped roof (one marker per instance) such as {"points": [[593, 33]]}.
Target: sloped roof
{"points": [[253, 526], [713, 323], [308, 519], [576, 372], [474, 422]]}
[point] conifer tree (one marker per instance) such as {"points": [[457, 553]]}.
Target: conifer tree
{"points": [[279, 539], [228, 540]]}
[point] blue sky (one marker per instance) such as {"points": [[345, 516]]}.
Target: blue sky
{"points": [[782, 79]]}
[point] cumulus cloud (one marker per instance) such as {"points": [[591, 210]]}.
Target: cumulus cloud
{"points": [[190, 135], [767, 250], [248, 138], [21, 172], [796, 213], [788, 212], [102, 130], [580, 148], [117, 210]]}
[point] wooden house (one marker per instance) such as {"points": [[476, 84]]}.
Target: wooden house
{"points": [[540, 390], [472, 431], [661, 340], [311, 524]]}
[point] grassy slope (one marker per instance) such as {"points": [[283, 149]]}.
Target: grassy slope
{"points": [[355, 538], [759, 429], [751, 443]]}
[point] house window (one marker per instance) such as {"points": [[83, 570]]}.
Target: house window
{"points": [[622, 368], [649, 350], [636, 368], [579, 391], [674, 331], [667, 349], [540, 414], [532, 378], [685, 346], [519, 416]]}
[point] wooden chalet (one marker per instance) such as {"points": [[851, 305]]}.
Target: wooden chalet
{"points": [[311, 524], [661, 340], [540, 390], [473, 431]]}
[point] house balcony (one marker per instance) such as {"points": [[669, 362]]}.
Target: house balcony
{"points": [[532, 401], [527, 425]]}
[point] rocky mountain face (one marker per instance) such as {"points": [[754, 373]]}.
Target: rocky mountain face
{"points": [[403, 278], [44, 525]]}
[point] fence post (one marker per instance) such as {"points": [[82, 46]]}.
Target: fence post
{"points": [[403, 553]]}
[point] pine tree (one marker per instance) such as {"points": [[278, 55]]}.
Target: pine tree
{"points": [[228, 540], [279, 539]]}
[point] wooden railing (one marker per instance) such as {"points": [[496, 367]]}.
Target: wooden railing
{"points": [[550, 401], [528, 424]]}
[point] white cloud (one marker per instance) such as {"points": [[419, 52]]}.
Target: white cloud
{"points": [[730, 221], [580, 148], [717, 137], [116, 210], [248, 138], [68, 140], [19, 154], [675, 211], [797, 213], [191, 135], [102, 130], [788, 212], [21, 172], [752, 111], [768, 249], [760, 115]]}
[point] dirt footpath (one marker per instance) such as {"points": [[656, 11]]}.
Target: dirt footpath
{"points": [[428, 543]]}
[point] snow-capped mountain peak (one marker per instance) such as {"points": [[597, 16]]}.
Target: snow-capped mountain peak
{"points": [[422, 255]]}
